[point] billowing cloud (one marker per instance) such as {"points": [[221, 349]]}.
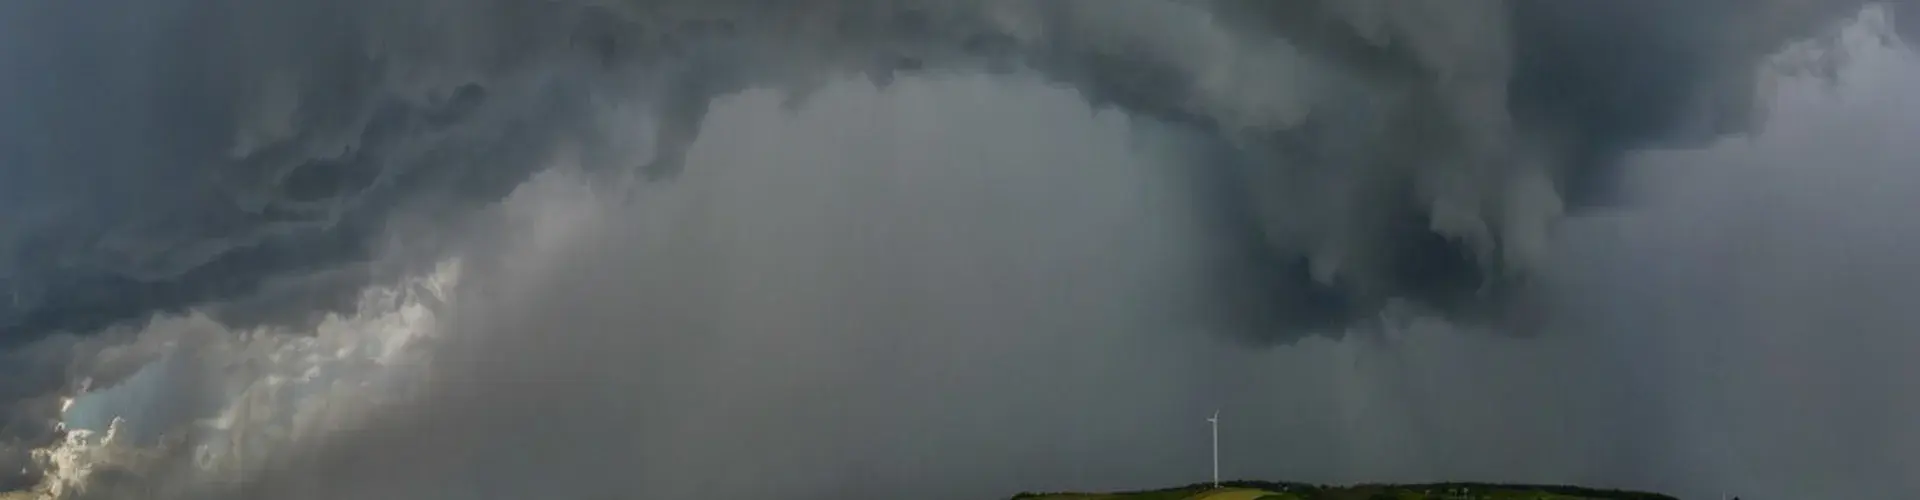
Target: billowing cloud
{"points": [[258, 165], [189, 159]]}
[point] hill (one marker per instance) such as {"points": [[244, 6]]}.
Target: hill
{"points": [[1262, 490]]}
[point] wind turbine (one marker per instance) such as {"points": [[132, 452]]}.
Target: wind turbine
{"points": [[1215, 422]]}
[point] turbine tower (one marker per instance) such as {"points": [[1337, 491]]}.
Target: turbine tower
{"points": [[1215, 422]]}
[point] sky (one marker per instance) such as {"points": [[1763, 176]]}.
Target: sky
{"points": [[430, 249]]}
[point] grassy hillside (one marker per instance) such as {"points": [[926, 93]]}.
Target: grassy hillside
{"points": [[1260, 490]]}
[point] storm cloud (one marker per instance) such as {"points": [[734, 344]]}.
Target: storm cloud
{"points": [[202, 151], [241, 173]]}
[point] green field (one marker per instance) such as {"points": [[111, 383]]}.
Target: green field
{"points": [[1257, 490]]}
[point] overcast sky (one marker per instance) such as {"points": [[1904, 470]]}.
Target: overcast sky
{"points": [[536, 269]]}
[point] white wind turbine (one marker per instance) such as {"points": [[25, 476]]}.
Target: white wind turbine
{"points": [[1215, 422]]}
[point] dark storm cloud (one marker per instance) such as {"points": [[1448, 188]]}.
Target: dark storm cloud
{"points": [[252, 158], [178, 154]]}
